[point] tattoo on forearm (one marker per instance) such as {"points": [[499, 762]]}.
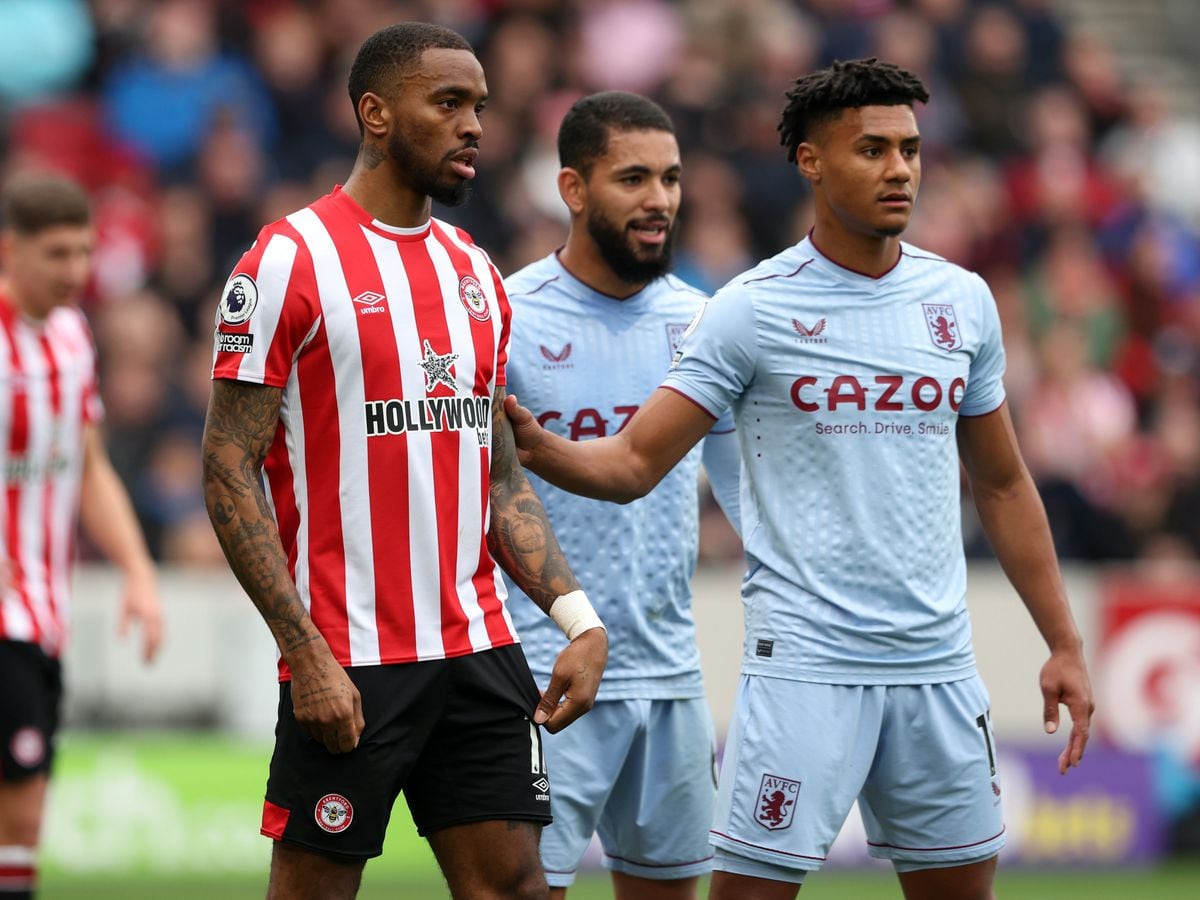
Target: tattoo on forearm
{"points": [[241, 424], [520, 537]]}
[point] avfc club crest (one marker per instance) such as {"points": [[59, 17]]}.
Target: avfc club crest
{"points": [[943, 326], [470, 292], [676, 335], [776, 802], [239, 300]]}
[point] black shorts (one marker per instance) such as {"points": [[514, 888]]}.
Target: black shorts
{"points": [[30, 696], [454, 735]]}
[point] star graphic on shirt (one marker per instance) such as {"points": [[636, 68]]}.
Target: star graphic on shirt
{"points": [[437, 369]]}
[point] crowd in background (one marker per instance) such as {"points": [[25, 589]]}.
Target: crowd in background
{"points": [[1074, 191]]}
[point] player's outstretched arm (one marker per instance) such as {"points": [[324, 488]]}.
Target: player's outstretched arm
{"points": [[622, 467], [108, 519], [238, 432], [522, 542], [1015, 522]]}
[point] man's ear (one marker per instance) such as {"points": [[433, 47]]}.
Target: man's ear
{"points": [[572, 187], [808, 161], [375, 115]]}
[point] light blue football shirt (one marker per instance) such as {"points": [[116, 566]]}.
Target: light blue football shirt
{"points": [[583, 362], [845, 391]]}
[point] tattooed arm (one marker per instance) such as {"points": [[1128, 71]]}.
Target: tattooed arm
{"points": [[241, 424], [521, 540]]}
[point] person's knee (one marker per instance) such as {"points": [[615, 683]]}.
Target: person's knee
{"points": [[970, 881], [22, 804], [300, 874], [504, 883]]}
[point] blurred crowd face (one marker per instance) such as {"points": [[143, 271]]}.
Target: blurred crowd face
{"points": [[631, 200], [48, 268], [432, 124], [866, 166]]}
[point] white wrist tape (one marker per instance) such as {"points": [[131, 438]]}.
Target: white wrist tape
{"points": [[574, 614]]}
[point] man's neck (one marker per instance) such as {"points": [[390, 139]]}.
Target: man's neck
{"points": [[582, 259], [11, 296], [866, 254], [384, 197]]}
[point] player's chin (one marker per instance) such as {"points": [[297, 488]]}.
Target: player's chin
{"points": [[892, 226], [455, 191]]}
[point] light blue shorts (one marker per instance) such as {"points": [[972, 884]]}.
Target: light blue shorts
{"points": [[641, 774], [920, 760]]}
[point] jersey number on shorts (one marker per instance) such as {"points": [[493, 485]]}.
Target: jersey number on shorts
{"points": [[537, 757], [984, 723]]}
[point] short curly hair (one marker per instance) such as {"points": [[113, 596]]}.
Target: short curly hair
{"points": [[390, 52], [821, 96]]}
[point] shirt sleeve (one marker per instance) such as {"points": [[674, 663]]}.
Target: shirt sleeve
{"points": [[985, 380], [268, 311], [718, 353]]}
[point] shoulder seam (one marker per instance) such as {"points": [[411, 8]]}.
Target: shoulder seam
{"points": [[790, 274], [937, 259], [683, 285], [549, 280]]}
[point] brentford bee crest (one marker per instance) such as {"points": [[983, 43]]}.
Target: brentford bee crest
{"points": [[334, 813], [470, 292]]}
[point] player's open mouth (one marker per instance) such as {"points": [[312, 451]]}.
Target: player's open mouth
{"points": [[463, 163], [650, 232]]}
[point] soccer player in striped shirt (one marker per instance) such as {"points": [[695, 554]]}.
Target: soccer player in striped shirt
{"points": [[56, 472], [360, 369], [596, 325], [860, 371]]}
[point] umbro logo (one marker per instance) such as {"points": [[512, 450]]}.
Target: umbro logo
{"points": [[370, 302], [542, 786], [813, 335]]}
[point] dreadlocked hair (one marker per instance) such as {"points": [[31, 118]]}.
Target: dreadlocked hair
{"points": [[821, 96]]}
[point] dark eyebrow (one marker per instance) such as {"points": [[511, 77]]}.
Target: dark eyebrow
{"points": [[638, 169], [880, 139], [458, 92]]}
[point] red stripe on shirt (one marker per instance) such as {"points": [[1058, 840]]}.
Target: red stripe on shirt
{"points": [[429, 304], [54, 390], [322, 454], [18, 444], [387, 454], [483, 337]]}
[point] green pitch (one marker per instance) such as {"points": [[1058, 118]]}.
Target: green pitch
{"points": [[1174, 882], [149, 817]]}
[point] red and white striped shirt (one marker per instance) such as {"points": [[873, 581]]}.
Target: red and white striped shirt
{"points": [[388, 344], [48, 380]]}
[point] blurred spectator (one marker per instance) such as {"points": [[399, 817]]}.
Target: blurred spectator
{"points": [[1075, 423], [992, 85], [1155, 151], [165, 100]]}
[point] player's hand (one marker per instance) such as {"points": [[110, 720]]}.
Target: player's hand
{"points": [[527, 433], [139, 601], [1064, 680], [325, 701], [574, 681]]}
